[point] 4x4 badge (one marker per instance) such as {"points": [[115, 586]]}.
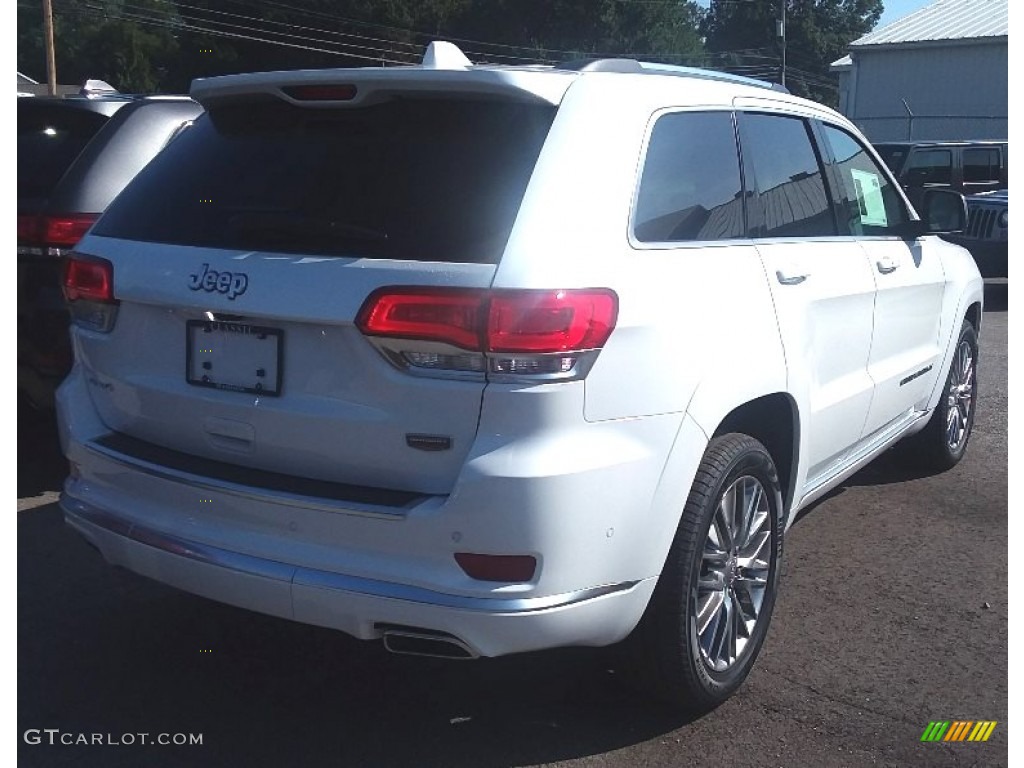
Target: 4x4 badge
{"points": [[231, 283]]}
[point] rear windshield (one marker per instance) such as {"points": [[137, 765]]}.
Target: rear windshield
{"points": [[49, 140], [418, 179]]}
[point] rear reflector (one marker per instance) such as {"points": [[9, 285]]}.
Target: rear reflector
{"points": [[497, 567], [345, 92], [88, 280], [527, 321]]}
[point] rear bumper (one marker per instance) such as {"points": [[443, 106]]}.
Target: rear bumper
{"points": [[580, 498], [488, 626]]}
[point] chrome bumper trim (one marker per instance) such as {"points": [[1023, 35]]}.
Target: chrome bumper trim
{"points": [[84, 517]]}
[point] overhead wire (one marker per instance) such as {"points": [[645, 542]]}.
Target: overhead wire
{"points": [[94, 12], [390, 51]]}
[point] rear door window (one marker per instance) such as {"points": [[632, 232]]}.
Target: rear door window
{"points": [[867, 203], [981, 165], [49, 140], [690, 188], [427, 179], [783, 170], [929, 166]]}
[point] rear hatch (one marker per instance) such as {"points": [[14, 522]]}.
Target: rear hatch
{"points": [[243, 253], [52, 133]]}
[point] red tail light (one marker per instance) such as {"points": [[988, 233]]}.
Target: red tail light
{"points": [[526, 321], [65, 230], [88, 280], [448, 315], [550, 321]]}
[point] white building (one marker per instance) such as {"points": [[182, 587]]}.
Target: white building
{"points": [[939, 73]]}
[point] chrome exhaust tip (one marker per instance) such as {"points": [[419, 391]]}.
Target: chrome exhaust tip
{"points": [[412, 641]]}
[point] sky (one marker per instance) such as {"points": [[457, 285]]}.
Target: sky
{"points": [[897, 9]]}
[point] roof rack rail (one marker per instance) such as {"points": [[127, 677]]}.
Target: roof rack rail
{"points": [[636, 67]]}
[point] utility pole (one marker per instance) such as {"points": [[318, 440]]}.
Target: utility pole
{"points": [[51, 59], [780, 31]]}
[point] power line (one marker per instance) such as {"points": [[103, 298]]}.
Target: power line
{"points": [[93, 12], [234, 26], [390, 54]]}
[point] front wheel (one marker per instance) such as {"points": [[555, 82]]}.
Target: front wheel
{"points": [[710, 611]]}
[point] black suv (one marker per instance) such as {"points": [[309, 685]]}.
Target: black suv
{"points": [[74, 156], [968, 167], [978, 170]]}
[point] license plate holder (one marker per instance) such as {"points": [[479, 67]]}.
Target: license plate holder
{"points": [[237, 357]]}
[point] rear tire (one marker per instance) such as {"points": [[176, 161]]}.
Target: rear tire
{"points": [[941, 444], [710, 610]]}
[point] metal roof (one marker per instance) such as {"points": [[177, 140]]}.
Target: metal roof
{"points": [[944, 20], [841, 65]]}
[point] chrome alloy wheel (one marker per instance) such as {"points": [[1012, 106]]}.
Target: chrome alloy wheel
{"points": [[960, 396], [734, 572]]}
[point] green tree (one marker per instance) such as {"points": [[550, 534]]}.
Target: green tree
{"points": [[141, 45], [742, 36], [548, 30], [102, 39]]}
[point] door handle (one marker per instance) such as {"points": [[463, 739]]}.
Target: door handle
{"points": [[887, 264], [790, 278]]}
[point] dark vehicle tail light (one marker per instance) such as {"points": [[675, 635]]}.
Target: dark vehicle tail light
{"points": [[530, 333], [66, 230], [89, 291], [28, 229], [61, 231]]}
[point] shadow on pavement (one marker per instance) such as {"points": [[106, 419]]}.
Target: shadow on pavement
{"points": [[104, 651], [41, 466], [110, 652]]}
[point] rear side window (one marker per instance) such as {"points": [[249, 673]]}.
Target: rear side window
{"points": [[866, 201], [690, 188], [929, 166], [785, 174], [49, 140], [410, 179], [981, 165]]}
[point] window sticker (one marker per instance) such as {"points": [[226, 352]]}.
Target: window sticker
{"points": [[869, 198]]}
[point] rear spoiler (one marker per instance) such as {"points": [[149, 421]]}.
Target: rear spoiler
{"points": [[444, 68], [363, 85]]}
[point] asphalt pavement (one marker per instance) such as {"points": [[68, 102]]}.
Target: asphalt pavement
{"points": [[892, 614]]}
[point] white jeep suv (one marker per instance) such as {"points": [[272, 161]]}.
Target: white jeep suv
{"points": [[481, 360]]}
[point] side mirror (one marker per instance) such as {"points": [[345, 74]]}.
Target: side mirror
{"points": [[943, 212]]}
